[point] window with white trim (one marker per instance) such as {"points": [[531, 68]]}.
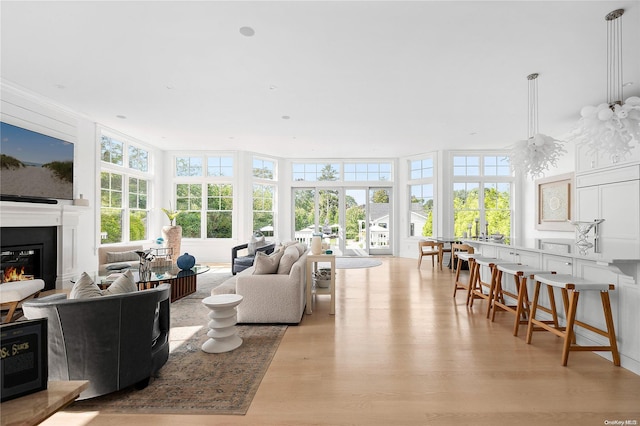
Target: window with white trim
{"points": [[421, 201]]}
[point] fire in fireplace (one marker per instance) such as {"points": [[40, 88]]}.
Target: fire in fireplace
{"points": [[20, 265], [28, 253]]}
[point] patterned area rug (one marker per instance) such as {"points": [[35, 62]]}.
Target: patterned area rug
{"points": [[193, 381]]}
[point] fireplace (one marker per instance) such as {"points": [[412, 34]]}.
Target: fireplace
{"points": [[28, 253]]}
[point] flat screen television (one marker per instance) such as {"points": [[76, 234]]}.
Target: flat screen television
{"points": [[34, 166]]}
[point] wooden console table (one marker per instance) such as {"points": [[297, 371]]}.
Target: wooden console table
{"points": [[34, 408]]}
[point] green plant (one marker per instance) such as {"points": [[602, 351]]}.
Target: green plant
{"points": [[171, 214]]}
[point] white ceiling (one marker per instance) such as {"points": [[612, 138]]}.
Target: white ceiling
{"points": [[358, 79]]}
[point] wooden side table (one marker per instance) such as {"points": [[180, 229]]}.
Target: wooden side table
{"points": [[34, 408], [312, 266]]}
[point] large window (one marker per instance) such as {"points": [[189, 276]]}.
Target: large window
{"points": [[421, 197], [124, 191], [362, 172], [481, 195], [264, 193], [204, 195], [311, 172]]}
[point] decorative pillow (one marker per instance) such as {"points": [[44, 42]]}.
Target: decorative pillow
{"points": [[289, 257], [85, 288], [123, 284], [302, 248], [254, 243], [121, 256], [118, 266], [266, 263]]}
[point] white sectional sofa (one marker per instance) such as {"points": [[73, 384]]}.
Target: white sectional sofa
{"points": [[277, 297]]}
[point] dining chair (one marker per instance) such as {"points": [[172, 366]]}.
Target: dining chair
{"points": [[430, 248]]}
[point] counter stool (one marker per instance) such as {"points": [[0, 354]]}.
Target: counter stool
{"points": [[571, 287], [478, 287], [521, 309], [460, 285]]}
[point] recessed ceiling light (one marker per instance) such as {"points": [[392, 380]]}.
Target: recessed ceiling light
{"points": [[285, 117], [121, 117], [60, 86], [628, 83], [247, 31]]}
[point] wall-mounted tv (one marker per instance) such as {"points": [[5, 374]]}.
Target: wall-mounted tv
{"points": [[34, 166]]}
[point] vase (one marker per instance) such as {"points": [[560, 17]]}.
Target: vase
{"points": [[186, 262], [172, 235], [316, 244]]}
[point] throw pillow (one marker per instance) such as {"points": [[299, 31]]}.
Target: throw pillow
{"points": [[266, 263], [85, 288], [123, 284], [254, 243], [121, 256], [289, 256], [302, 248]]}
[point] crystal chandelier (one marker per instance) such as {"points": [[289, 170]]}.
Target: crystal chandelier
{"points": [[612, 127], [538, 152]]}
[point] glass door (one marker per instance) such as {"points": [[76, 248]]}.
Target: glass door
{"points": [[379, 221], [356, 227]]}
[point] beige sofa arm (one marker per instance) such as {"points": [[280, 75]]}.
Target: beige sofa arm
{"points": [[270, 298]]}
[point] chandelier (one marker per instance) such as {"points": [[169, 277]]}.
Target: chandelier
{"points": [[611, 127], [538, 152]]}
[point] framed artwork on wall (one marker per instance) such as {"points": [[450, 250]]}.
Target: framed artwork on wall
{"points": [[554, 201]]}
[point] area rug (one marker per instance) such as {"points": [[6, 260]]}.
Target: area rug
{"points": [[356, 262], [195, 382]]}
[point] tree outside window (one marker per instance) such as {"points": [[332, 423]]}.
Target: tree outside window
{"points": [[189, 202], [219, 210]]}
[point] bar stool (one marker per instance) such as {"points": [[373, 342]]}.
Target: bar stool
{"points": [[571, 287], [477, 289], [521, 309], [457, 248], [475, 281], [460, 285]]}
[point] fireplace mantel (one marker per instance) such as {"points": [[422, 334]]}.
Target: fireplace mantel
{"points": [[63, 216]]}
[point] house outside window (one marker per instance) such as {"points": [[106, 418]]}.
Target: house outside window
{"points": [[421, 197]]}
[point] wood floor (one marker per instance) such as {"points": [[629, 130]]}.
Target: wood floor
{"points": [[401, 351]]}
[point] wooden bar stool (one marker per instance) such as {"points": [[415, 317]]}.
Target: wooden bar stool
{"points": [[455, 249], [571, 287], [479, 286], [461, 285], [520, 275], [475, 282]]}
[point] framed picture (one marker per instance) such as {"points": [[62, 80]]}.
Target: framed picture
{"points": [[554, 200], [23, 358]]}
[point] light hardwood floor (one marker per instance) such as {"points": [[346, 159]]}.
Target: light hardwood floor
{"points": [[401, 351]]}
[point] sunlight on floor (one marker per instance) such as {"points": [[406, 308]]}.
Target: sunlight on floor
{"points": [[180, 335]]}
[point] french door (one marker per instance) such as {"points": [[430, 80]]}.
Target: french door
{"points": [[353, 221]]}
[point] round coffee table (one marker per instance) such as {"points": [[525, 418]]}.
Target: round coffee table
{"points": [[223, 319]]}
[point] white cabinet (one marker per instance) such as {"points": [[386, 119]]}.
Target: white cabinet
{"points": [[558, 264], [612, 195], [587, 161]]}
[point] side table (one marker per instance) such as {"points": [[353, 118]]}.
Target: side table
{"points": [[312, 266], [223, 318]]}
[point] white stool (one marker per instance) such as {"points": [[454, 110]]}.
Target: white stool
{"points": [[571, 288], [223, 319], [521, 309]]}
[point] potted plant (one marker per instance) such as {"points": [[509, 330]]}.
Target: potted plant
{"points": [[172, 233]]}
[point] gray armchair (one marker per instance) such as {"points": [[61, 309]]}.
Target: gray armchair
{"points": [[113, 341], [240, 263]]}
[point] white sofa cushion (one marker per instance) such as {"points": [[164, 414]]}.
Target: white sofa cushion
{"points": [[267, 263], [289, 257]]}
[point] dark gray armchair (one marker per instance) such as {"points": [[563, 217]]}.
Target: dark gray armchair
{"points": [[113, 341]]}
